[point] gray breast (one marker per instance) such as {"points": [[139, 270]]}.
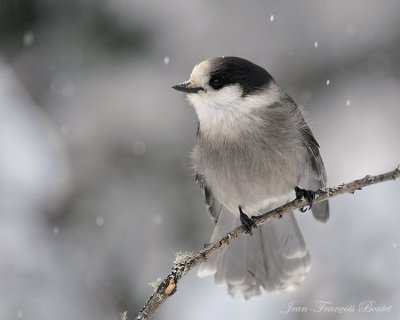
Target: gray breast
{"points": [[254, 173]]}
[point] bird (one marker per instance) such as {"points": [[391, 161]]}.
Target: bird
{"points": [[254, 152]]}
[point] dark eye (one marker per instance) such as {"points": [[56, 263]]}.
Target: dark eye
{"points": [[216, 83]]}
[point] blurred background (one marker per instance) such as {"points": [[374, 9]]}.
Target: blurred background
{"points": [[97, 193]]}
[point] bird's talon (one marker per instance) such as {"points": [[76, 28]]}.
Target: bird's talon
{"points": [[247, 223], [306, 194]]}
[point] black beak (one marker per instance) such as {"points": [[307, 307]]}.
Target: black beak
{"points": [[186, 87]]}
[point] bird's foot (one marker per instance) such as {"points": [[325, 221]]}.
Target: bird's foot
{"points": [[307, 194], [247, 223]]}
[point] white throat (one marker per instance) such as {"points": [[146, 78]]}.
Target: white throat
{"points": [[225, 113]]}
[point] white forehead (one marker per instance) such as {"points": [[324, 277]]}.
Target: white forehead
{"points": [[201, 73]]}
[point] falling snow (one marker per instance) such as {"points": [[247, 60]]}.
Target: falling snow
{"points": [[62, 83], [157, 219], [28, 39], [90, 80], [99, 221]]}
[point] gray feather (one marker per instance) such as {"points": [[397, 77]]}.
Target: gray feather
{"points": [[274, 258], [314, 177], [254, 157], [214, 207]]}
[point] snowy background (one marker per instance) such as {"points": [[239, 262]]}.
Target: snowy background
{"points": [[96, 189]]}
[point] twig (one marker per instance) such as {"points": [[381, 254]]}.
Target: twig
{"points": [[167, 287]]}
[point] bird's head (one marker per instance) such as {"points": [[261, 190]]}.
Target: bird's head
{"points": [[224, 89]]}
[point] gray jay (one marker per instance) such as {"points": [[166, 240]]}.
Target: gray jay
{"points": [[254, 152]]}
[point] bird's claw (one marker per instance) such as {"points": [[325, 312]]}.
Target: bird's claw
{"points": [[307, 194], [247, 223]]}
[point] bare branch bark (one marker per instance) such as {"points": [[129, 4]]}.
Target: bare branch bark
{"points": [[167, 287]]}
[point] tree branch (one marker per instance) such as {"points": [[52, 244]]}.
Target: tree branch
{"points": [[167, 287]]}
